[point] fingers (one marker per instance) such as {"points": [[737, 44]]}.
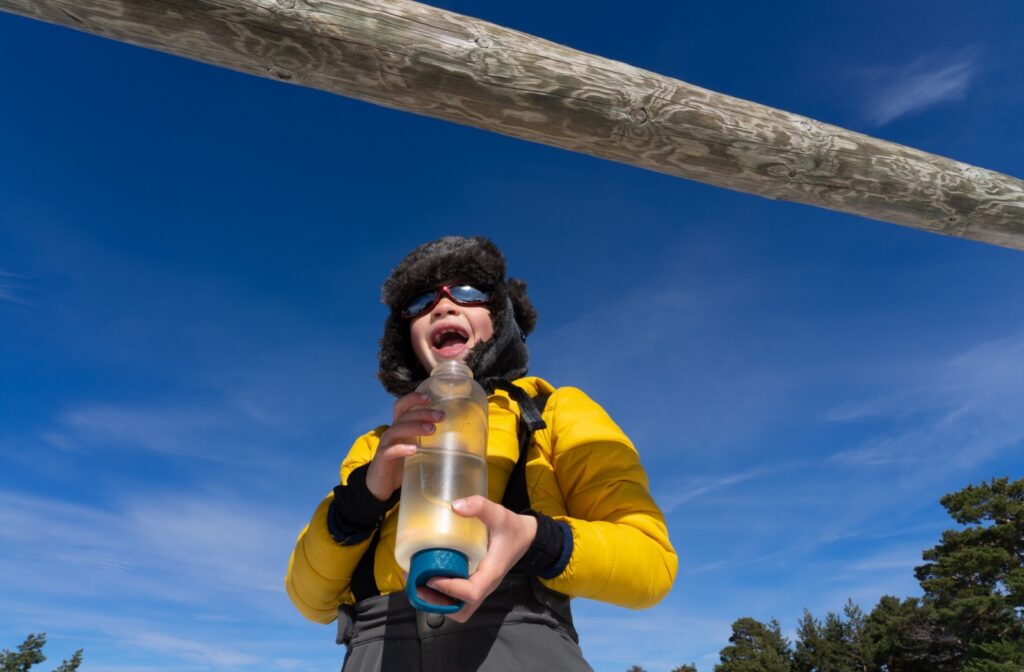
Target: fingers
{"points": [[409, 401], [407, 432], [472, 592], [398, 442], [420, 414], [428, 594], [394, 452], [411, 424], [489, 513]]}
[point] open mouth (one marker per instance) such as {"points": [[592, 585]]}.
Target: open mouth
{"points": [[449, 340]]}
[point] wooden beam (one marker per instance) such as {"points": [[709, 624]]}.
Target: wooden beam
{"points": [[418, 58]]}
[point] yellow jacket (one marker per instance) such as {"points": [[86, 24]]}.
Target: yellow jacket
{"points": [[581, 469]]}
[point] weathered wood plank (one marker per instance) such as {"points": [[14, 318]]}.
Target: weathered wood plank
{"points": [[425, 60]]}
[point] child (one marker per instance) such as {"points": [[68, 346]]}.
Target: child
{"points": [[576, 521]]}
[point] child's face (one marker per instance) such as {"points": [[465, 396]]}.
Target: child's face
{"points": [[449, 331]]}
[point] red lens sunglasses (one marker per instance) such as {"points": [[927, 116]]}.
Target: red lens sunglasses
{"points": [[462, 295]]}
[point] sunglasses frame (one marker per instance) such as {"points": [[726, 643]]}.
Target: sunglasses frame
{"points": [[445, 291]]}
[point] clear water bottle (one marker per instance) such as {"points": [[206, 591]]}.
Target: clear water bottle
{"points": [[450, 464]]}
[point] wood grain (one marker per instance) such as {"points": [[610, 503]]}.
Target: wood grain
{"points": [[421, 59]]}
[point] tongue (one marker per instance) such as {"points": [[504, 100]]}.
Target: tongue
{"points": [[451, 344], [451, 348]]}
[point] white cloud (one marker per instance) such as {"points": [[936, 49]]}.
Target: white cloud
{"points": [[241, 409], [677, 493], [660, 638], [10, 286], [865, 579], [620, 333], [901, 559], [188, 548], [928, 81], [968, 412], [675, 349], [215, 655], [132, 635], [160, 430]]}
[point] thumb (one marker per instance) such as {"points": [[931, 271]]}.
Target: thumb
{"points": [[478, 507]]}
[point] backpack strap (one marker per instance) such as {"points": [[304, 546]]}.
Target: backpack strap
{"points": [[517, 497], [364, 583]]}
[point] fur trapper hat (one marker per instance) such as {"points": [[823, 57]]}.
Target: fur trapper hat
{"points": [[476, 261]]}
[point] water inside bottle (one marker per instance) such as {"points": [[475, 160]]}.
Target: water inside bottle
{"points": [[433, 480]]}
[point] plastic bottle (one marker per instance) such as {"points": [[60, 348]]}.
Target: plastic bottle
{"points": [[432, 540]]}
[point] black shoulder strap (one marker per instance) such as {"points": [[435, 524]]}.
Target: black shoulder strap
{"points": [[364, 583], [516, 497]]}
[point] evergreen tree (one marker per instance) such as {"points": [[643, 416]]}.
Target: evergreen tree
{"points": [[831, 646], [974, 578], [30, 652], [636, 668], [755, 647], [855, 620], [688, 667], [906, 636], [1002, 656]]}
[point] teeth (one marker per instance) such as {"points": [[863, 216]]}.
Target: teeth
{"points": [[440, 336]]}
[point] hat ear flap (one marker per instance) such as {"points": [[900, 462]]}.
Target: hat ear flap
{"points": [[525, 313], [400, 370]]}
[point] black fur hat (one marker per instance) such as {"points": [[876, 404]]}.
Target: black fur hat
{"points": [[474, 260]]}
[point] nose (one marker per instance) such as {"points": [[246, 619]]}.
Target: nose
{"points": [[446, 307]]}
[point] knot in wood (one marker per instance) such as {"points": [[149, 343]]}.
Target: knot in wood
{"points": [[286, 4], [484, 42], [780, 170], [638, 115], [279, 73]]}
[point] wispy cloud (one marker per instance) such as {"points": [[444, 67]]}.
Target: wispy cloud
{"points": [[191, 548], [966, 413], [651, 639], [896, 91], [160, 430], [11, 286], [901, 559], [133, 635], [212, 654], [704, 376], [678, 493]]}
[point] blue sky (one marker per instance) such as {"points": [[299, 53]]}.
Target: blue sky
{"points": [[190, 261]]}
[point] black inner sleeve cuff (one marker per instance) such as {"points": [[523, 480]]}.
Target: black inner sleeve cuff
{"points": [[355, 513], [546, 556]]}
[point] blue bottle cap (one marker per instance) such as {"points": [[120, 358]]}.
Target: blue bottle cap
{"points": [[427, 564]]}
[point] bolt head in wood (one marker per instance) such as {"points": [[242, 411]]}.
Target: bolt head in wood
{"points": [[484, 42], [638, 115]]}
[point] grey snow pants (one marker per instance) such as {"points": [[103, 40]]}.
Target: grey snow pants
{"points": [[521, 627]]}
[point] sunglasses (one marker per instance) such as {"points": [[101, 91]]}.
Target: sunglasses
{"points": [[463, 295]]}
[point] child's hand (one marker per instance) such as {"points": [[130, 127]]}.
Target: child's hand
{"points": [[510, 535], [411, 419]]}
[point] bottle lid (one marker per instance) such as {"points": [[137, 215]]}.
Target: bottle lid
{"points": [[427, 564]]}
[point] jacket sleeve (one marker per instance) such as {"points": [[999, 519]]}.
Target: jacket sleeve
{"points": [[320, 569], [621, 552]]}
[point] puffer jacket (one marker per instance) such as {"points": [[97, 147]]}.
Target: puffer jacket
{"points": [[581, 469]]}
